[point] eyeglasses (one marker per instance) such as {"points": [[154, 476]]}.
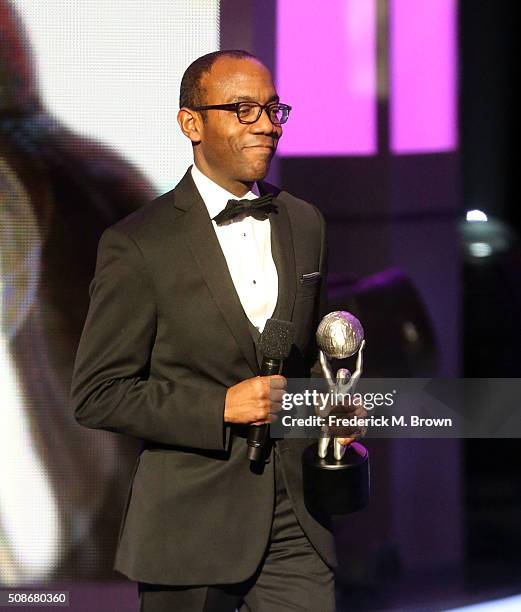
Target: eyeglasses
{"points": [[249, 112]]}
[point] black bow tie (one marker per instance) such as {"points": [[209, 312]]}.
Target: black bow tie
{"points": [[259, 208]]}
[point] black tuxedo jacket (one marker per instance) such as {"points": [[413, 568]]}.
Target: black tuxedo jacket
{"points": [[165, 337]]}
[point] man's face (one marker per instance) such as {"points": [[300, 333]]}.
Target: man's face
{"points": [[232, 153]]}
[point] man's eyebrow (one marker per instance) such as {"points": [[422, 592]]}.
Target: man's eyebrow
{"points": [[274, 98]]}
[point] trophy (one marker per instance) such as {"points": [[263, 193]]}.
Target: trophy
{"points": [[336, 477]]}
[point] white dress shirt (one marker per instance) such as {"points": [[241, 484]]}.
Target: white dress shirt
{"points": [[246, 245]]}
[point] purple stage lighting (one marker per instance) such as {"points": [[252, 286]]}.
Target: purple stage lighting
{"points": [[326, 69], [423, 75]]}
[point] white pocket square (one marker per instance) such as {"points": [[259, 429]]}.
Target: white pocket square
{"points": [[312, 277]]}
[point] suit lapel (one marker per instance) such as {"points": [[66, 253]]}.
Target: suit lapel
{"points": [[208, 254], [283, 254]]}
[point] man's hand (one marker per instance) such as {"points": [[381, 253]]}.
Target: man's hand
{"points": [[354, 433], [255, 401]]}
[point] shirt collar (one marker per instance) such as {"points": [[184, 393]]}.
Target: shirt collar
{"points": [[213, 195]]}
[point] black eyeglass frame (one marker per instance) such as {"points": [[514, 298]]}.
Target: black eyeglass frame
{"points": [[234, 106]]}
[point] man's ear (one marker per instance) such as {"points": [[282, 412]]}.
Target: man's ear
{"points": [[190, 124]]}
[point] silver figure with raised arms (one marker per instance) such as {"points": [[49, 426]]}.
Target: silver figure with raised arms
{"points": [[339, 335]]}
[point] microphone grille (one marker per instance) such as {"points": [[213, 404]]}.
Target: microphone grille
{"points": [[276, 339]]}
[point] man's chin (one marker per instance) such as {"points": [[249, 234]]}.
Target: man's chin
{"points": [[258, 172]]}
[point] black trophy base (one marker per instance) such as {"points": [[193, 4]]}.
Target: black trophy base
{"points": [[336, 487]]}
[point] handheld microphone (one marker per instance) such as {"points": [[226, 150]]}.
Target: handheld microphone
{"points": [[275, 345]]}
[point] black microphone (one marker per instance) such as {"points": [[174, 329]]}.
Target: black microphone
{"points": [[275, 345]]}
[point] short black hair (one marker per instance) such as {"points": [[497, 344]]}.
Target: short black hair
{"points": [[191, 92]]}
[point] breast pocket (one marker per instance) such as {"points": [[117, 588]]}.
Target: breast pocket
{"points": [[309, 284]]}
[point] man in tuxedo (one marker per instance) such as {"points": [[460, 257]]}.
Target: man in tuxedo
{"points": [[169, 354]]}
